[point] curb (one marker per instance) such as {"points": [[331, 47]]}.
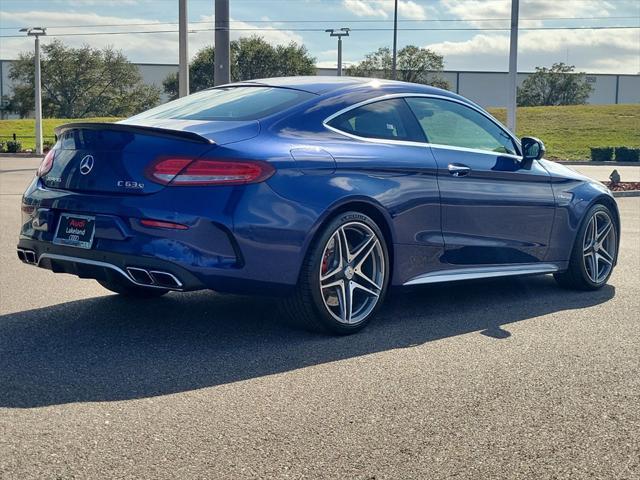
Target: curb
{"points": [[627, 193], [597, 164], [20, 155]]}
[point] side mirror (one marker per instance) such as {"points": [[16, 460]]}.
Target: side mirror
{"points": [[532, 149]]}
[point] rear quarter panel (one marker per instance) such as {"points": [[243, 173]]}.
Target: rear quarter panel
{"points": [[398, 181]]}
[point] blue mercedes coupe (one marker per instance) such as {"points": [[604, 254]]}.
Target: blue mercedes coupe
{"points": [[323, 190]]}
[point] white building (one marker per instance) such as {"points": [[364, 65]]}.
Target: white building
{"points": [[485, 88]]}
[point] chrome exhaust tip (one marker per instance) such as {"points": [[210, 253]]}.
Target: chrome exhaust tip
{"points": [[27, 256], [165, 279], [30, 256], [154, 278], [140, 275]]}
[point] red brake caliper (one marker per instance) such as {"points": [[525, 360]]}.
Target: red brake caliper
{"points": [[325, 263]]}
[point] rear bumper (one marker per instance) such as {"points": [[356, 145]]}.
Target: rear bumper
{"points": [[237, 240], [101, 265], [140, 271]]}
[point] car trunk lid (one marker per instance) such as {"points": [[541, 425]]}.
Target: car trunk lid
{"points": [[113, 157]]}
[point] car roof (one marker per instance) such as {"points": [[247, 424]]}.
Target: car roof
{"points": [[326, 84]]}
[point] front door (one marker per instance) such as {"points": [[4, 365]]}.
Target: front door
{"points": [[494, 209]]}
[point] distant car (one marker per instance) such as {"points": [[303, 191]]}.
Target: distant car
{"points": [[325, 190]]}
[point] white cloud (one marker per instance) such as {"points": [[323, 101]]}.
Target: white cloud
{"points": [[590, 50], [92, 3], [384, 8], [613, 51], [364, 9], [270, 34], [144, 47], [409, 10], [140, 47], [475, 12], [331, 53]]}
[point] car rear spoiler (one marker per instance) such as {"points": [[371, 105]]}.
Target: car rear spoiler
{"points": [[122, 127]]}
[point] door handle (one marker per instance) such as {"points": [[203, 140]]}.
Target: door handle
{"points": [[458, 170]]}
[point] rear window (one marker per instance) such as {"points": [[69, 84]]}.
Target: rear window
{"points": [[229, 103]]}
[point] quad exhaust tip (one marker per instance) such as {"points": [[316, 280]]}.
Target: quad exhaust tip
{"points": [[154, 278], [27, 256], [137, 275]]}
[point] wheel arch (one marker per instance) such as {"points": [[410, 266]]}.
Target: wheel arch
{"points": [[609, 202], [364, 205]]}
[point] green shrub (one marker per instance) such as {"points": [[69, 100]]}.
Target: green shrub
{"points": [[625, 154], [47, 145], [601, 154], [13, 146]]}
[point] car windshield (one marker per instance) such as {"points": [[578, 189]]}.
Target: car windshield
{"points": [[229, 103]]}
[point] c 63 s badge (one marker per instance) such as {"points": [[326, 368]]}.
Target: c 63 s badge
{"points": [[130, 184]]}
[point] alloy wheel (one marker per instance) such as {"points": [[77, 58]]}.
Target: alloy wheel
{"points": [[352, 272], [599, 247]]}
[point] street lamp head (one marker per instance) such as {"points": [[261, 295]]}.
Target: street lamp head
{"points": [[34, 31], [341, 32]]}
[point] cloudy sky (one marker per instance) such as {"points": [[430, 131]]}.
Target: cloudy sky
{"points": [[471, 34]]}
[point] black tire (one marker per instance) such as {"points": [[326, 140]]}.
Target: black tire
{"points": [[307, 308], [126, 289], [576, 277]]}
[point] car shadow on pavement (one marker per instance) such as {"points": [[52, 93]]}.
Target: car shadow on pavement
{"points": [[110, 348]]}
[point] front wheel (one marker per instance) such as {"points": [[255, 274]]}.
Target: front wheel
{"points": [[344, 278], [594, 252]]}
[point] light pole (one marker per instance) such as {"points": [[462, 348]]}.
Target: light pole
{"points": [[36, 32], [342, 32], [183, 49], [394, 73], [222, 74], [513, 68]]}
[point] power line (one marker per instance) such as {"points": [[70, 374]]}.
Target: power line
{"points": [[432, 20], [140, 32]]}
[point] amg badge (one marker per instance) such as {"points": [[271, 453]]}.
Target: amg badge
{"points": [[130, 184]]}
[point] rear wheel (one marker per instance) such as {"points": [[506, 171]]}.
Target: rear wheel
{"points": [[344, 277], [594, 252], [125, 288]]}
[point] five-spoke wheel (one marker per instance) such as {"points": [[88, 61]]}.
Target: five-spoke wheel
{"points": [[344, 277], [352, 272], [599, 246], [594, 253]]}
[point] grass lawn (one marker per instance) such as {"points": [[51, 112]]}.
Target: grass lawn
{"points": [[25, 129], [568, 132]]}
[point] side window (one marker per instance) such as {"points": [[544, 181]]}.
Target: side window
{"points": [[450, 123], [386, 119]]}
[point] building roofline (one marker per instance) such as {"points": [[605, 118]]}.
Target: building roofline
{"points": [[152, 64]]}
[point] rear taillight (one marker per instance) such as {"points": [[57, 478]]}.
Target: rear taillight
{"points": [[47, 163], [183, 171]]}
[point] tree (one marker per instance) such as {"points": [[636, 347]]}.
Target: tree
{"points": [[557, 85], [200, 74], [414, 64], [251, 58], [81, 82]]}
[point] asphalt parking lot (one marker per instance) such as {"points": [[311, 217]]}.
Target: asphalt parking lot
{"points": [[501, 379]]}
